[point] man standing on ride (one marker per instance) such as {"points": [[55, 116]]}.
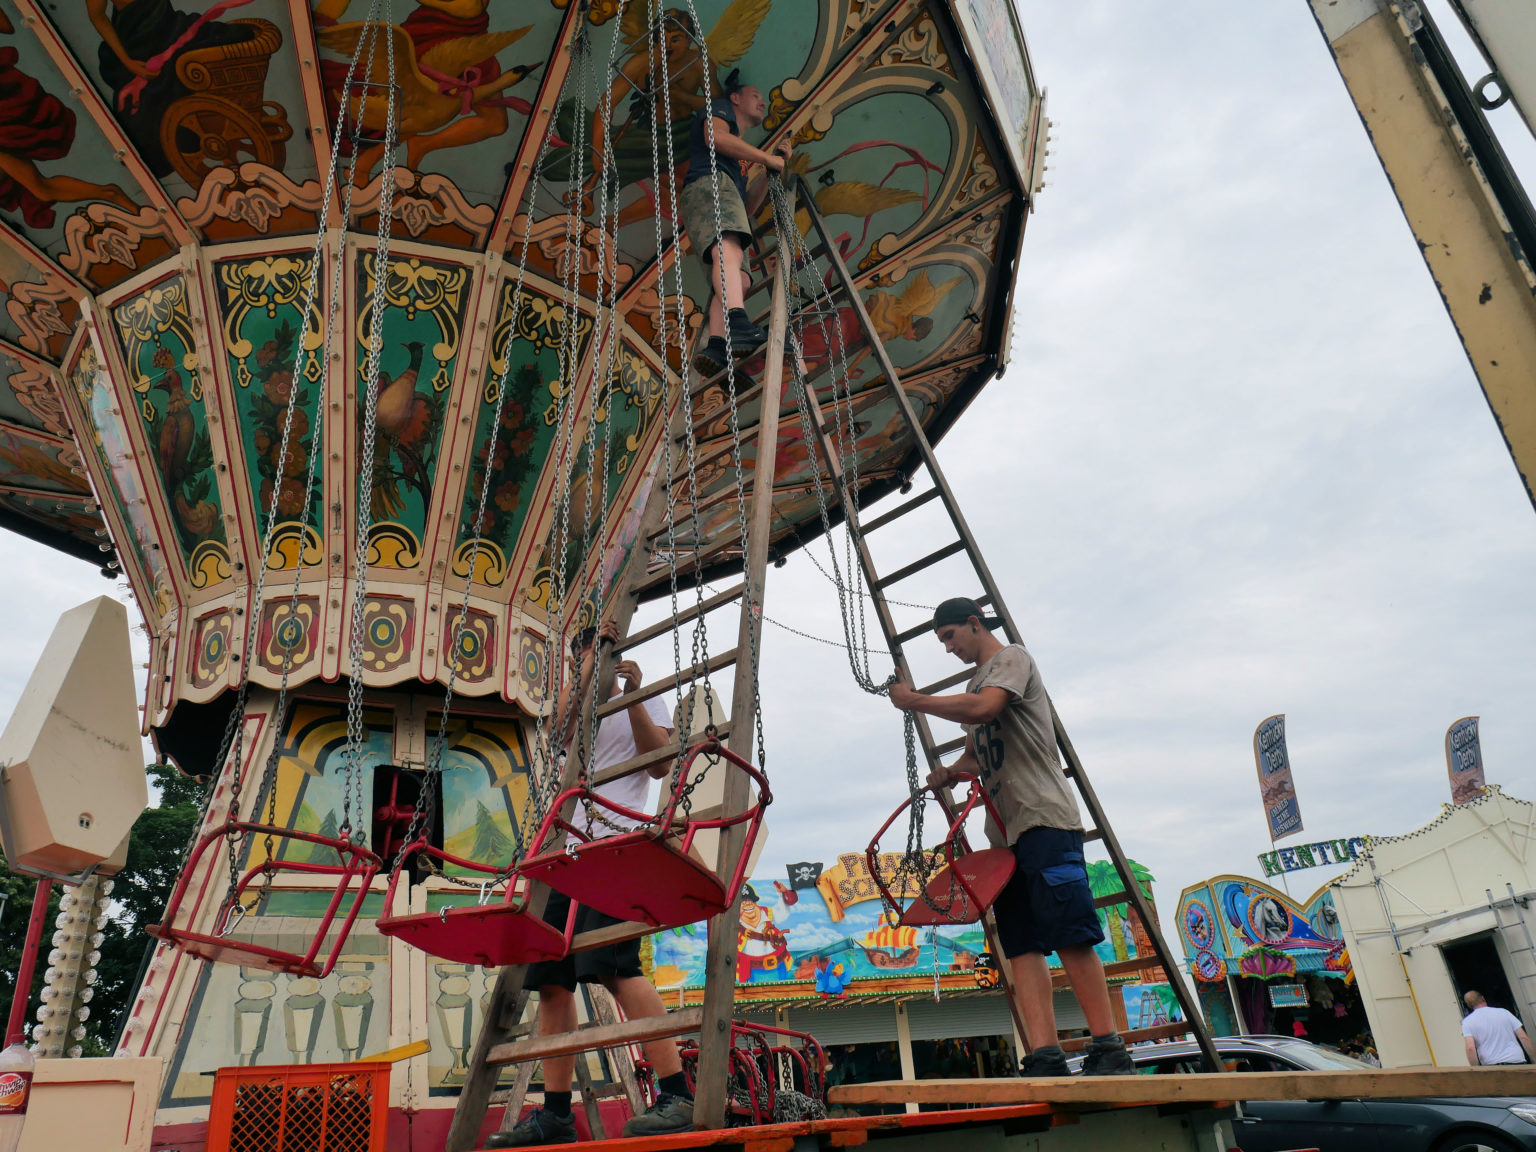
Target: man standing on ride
{"points": [[717, 214], [1047, 906], [643, 727]]}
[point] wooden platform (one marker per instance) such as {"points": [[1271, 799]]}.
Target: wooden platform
{"points": [[1211, 1088], [1022, 1124]]}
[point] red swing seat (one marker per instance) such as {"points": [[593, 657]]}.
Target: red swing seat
{"points": [[968, 883], [647, 873], [490, 933], [355, 869]]}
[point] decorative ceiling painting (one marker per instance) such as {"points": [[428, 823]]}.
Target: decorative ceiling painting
{"points": [[162, 175]]}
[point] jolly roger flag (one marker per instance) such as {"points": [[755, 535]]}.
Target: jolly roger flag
{"points": [[804, 875]]}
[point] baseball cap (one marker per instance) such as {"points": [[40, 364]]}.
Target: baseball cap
{"points": [[960, 609]]}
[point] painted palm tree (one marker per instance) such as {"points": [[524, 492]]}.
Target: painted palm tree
{"points": [[1105, 881]]}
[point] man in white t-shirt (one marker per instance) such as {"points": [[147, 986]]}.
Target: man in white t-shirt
{"points": [[1493, 1035], [642, 727]]}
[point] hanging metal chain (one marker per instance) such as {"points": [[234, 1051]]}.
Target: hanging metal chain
{"points": [[357, 735], [421, 815], [753, 639], [232, 741]]}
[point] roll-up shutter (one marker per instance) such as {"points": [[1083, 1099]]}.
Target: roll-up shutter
{"points": [[846, 1023], [959, 1018], [965, 1017]]}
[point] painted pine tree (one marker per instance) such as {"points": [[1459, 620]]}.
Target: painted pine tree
{"points": [[491, 844]]}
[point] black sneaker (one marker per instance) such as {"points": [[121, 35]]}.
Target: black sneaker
{"points": [[1108, 1058], [1049, 1061], [541, 1126], [745, 336], [668, 1116], [710, 360]]}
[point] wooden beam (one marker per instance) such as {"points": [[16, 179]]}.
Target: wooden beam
{"points": [[1202, 1087], [538, 123], [720, 961], [603, 1036], [301, 17]]}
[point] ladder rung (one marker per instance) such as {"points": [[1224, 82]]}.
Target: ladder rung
{"points": [[1134, 1036], [949, 746], [640, 763], [899, 511], [922, 629], [604, 1036], [657, 687], [662, 627], [620, 933], [948, 682], [1093, 834], [917, 566], [1119, 897], [693, 557]]}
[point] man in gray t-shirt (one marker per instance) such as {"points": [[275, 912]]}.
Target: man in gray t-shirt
{"points": [[1048, 905]]}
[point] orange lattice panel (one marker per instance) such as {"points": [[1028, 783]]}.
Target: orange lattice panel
{"points": [[299, 1108]]}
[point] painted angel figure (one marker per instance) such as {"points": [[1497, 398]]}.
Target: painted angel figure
{"points": [[452, 88]]}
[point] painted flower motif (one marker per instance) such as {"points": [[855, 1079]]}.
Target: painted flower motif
{"points": [[508, 497], [279, 387]]}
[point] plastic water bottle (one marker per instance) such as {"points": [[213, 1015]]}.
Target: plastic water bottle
{"points": [[16, 1066]]}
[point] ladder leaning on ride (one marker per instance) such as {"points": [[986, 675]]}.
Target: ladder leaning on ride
{"points": [[929, 908]]}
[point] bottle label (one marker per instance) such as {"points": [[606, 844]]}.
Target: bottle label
{"points": [[15, 1087]]}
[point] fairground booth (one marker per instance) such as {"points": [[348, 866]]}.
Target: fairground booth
{"points": [[820, 953], [1263, 961]]}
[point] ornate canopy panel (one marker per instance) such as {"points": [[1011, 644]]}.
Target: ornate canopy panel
{"points": [[161, 185]]}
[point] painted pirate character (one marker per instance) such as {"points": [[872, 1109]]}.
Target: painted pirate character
{"points": [[761, 944]]}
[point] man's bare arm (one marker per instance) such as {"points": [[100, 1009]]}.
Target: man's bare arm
{"points": [[962, 707], [648, 734], [1525, 1042], [728, 144], [1471, 1051]]}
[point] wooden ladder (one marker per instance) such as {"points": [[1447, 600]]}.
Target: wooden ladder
{"points": [[963, 543], [498, 1045]]}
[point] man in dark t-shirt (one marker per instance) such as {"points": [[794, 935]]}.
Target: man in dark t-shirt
{"points": [[1047, 906], [716, 211]]}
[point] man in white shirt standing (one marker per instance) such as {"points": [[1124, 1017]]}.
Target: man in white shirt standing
{"points": [[1493, 1035], [642, 727]]}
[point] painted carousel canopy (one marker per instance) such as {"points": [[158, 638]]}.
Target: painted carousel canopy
{"points": [[162, 171]]}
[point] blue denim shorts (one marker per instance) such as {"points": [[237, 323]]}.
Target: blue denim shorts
{"points": [[1048, 904]]}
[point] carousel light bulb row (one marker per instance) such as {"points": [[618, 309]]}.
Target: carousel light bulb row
{"points": [[69, 981]]}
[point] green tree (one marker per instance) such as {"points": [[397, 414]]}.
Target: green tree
{"points": [[155, 850]]}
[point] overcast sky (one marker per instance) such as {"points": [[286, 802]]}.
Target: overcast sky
{"points": [[1239, 466]]}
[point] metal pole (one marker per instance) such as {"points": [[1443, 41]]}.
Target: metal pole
{"points": [[16, 1027]]}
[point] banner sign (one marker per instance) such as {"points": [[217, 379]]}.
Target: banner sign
{"points": [[1464, 760], [1324, 852], [1275, 787], [1288, 995]]}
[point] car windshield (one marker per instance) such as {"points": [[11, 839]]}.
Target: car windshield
{"points": [[1318, 1059]]}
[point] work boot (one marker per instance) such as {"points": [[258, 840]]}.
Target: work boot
{"points": [[669, 1115], [1108, 1058], [745, 336], [710, 359], [1047, 1061], [541, 1126]]}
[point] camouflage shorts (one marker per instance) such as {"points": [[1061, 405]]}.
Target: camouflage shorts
{"points": [[698, 207]]}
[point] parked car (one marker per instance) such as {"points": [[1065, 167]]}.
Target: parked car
{"points": [[1427, 1124]]}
